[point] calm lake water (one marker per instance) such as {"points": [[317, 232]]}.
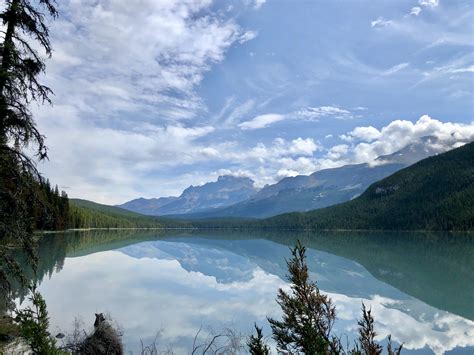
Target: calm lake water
{"points": [[420, 286]]}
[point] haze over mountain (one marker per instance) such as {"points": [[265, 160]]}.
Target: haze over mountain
{"points": [[148, 206], [226, 191], [436, 193], [299, 193]]}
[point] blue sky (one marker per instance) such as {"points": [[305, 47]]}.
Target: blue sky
{"points": [[152, 96]]}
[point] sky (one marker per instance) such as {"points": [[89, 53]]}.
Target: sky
{"points": [[154, 96]]}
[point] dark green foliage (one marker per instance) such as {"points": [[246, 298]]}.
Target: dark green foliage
{"points": [[17, 198], [436, 193], [256, 344], [21, 64], [366, 341], [26, 204], [87, 214], [34, 323], [308, 315], [308, 318], [26, 201], [23, 22], [51, 212]]}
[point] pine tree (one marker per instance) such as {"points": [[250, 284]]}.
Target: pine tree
{"points": [[366, 341], [308, 315], [34, 323], [20, 67], [23, 23], [256, 344]]}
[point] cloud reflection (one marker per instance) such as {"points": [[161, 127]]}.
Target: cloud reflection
{"points": [[179, 287]]}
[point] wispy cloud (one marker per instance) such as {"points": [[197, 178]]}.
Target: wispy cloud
{"points": [[247, 36], [415, 11], [306, 114], [262, 121], [315, 113], [469, 69], [380, 22], [259, 3], [395, 68]]}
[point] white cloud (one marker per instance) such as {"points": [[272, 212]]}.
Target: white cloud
{"points": [[238, 112], [308, 114], [261, 121], [267, 161], [337, 151], [370, 143], [380, 22], [362, 133], [458, 66], [469, 69], [429, 3], [259, 3], [124, 76], [247, 36], [115, 57], [303, 146], [109, 165], [415, 11], [395, 68], [315, 113]]}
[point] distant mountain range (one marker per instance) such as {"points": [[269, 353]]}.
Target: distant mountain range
{"points": [[236, 197], [436, 193], [148, 206], [226, 191]]}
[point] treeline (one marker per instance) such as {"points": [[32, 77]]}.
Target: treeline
{"points": [[87, 214], [82, 217], [51, 211], [30, 200], [436, 193]]}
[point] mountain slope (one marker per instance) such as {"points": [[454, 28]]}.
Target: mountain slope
{"points": [[88, 214], [325, 187], [226, 191], [147, 206], [436, 193], [304, 193]]}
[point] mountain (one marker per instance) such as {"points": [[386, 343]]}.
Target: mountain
{"points": [[436, 193], [323, 188], [304, 193], [426, 147], [226, 191], [150, 206]]}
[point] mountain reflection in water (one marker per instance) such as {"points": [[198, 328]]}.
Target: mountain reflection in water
{"points": [[420, 286]]}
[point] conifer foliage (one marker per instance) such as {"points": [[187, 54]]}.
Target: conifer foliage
{"points": [[308, 315], [21, 186], [256, 343], [308, 318]]}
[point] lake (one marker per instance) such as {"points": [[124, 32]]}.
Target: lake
{"points": [[172, 283]]}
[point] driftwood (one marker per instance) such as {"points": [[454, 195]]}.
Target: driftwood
{"points": [[104, 340]]}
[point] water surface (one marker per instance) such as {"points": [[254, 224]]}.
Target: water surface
{"points": [[420, 286]]}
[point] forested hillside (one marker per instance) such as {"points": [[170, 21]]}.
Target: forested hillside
{"points": [[87, 214], [436, 193]]}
